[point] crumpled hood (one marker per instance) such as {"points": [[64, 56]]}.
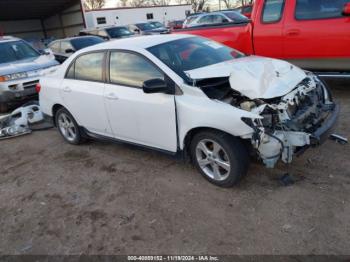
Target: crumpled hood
{"points": [[32, 64], [254, 76]]}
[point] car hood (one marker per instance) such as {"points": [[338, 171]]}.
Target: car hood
{"points": [[254, 76], [26, 65]]}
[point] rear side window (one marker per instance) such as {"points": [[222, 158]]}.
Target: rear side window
{"points": [[273, 10], [87, 67], [208, 19], [319, 9], [131, 70]]}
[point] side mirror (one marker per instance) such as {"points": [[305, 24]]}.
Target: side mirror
{"points": [[137, 31], [225, 20], [346, 9], [69, 51], [156, 85]]}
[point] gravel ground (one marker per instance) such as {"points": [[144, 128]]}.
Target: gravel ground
{"points": [[102, 198]]}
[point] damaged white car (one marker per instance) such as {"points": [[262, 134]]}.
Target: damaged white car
{"points": [[190, 95]]}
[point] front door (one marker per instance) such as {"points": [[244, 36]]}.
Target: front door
{"points": [[147, 119]]}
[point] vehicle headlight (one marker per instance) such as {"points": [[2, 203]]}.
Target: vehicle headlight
{"points": [[14, 76]]}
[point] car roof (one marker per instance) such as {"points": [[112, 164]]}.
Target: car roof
{"points": [[9, 39], [140, 42], [73, 38], [102, 27]]}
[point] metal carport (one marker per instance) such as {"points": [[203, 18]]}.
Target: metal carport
{"points": [[41, 18]]}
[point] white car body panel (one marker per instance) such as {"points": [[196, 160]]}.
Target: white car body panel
{"points": [[196, 110], [162, 121], [85, 100], [147, 119], [255, 77]]}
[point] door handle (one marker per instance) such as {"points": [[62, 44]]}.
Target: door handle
{"points": [[67, 89], [293, 32], [112, 96]]}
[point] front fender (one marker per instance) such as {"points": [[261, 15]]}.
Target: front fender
{"points": [[197, 111]]}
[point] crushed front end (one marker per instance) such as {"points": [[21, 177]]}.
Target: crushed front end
{"points": [[293, 122]]}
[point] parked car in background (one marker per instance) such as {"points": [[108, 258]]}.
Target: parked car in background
{"points": [[215, 18], [294, 30], [20, 69], [109, 33], [189, 95], [245, 10], [64, 48], [147, 29], [176, 24], [157, 24]]}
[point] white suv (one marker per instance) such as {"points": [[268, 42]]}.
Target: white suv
{"points": [[20, 69], [186, 94]]}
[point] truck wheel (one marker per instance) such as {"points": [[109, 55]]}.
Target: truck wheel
{"points": [[68, 127], [3, 108], [222, 159]]}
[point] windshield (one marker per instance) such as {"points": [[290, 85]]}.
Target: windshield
{"points": [[236, 17], [145, 26], [191, 53], [117, 32], [16, 50], [80, 43], [157, 24]]}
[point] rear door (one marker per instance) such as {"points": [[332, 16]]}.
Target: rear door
{"points": [[147, 119], [268, 27], [83, 90], [316, 35]]}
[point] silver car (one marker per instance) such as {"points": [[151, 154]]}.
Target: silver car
{"points": [[20, 68], [221, 17]]}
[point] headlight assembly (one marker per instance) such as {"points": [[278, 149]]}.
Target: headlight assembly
{"points": [[14, 76]]}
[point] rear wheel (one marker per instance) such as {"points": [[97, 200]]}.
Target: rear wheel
{"points": [[68, 127], [219, 157]]}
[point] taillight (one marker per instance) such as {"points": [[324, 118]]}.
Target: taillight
{"points": [[38, 88]]}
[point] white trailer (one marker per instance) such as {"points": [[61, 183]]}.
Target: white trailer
{"points": [[131, 15]]}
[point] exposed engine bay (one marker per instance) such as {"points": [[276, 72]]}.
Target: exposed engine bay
{"points": [[284, 125]]}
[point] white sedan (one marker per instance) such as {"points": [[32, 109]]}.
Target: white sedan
{"points": [[189, 95]]}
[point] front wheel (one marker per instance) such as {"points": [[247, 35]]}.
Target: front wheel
{"points": [[219, 157], [68, 127]]}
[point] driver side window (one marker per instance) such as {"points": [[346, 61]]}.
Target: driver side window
{"points": [[129, 69]]}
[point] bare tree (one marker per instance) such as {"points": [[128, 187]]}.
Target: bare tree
{"points": [[93, 4], [160, 2], [139, 3], [197, 5], [123, 3], [228, 3]]}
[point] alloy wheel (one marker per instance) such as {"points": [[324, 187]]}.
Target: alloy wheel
{"points": [[213, 159], [67, 127]]}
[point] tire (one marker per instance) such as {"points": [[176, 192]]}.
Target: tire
{"points": [[3, 108], [225, 160], [68, 127]]}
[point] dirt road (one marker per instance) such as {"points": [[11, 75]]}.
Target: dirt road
{"points": [[104, 198]]}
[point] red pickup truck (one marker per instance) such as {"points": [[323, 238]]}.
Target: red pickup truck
{"points": [[313, 34]]}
